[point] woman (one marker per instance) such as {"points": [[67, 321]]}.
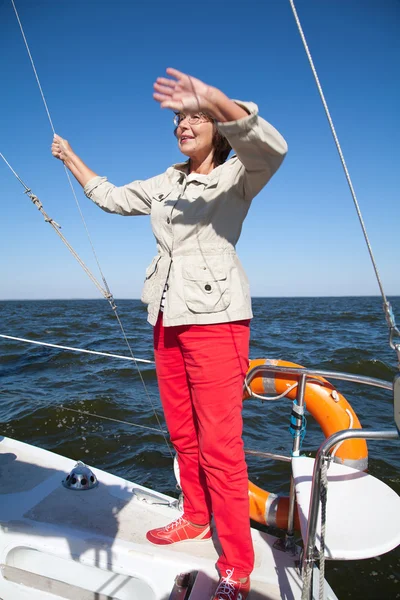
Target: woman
{"points": [[199, 303]]}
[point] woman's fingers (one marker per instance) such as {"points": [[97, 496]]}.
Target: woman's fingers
{"points": [[160, 97], [186, 82], [164, 81], [175, 73], [60, 147], [55, 148], [168, 102], [163, 89], [183, 93]]}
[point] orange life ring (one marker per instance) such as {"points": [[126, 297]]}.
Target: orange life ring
{"points": [[332, 412]]}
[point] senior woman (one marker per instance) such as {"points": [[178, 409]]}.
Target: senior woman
{"points": [[199, 303]]}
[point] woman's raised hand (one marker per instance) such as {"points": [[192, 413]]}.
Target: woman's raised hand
{"points": [[183, 93], [60, 148]]}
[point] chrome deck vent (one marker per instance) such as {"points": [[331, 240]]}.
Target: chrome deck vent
{"points": [[80, 478]]}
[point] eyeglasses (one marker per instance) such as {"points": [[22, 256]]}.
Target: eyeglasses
{"points": [[191, 119]]}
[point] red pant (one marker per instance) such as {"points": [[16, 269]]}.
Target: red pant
{"points": [[200, 370]]}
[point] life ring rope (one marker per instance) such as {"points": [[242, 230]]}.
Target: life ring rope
{"points": [[268, 398]]}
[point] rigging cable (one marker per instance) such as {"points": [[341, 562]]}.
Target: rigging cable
{"points": [[389, 315], [57, 228], [72, 349], [108, 295], [393, 330]]}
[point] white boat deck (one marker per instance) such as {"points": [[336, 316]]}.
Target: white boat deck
{"points": [[86, 545]]}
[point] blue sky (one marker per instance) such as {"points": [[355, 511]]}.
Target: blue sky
{"points": [[97, 61]]}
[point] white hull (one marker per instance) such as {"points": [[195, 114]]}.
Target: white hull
{"points": [[91, 545]]}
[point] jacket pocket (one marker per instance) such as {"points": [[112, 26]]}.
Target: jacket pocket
{"points": [[205, 286], [160, 195], [150, 281]]}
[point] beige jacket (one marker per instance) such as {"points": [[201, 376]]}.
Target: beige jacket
{"points": [[197, 220]]}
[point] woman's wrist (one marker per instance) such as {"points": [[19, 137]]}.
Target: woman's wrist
{"points": [[223, 109], [78, 168], [71, 159]]}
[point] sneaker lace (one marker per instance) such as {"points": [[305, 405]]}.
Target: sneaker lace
{"points": [[176, 523], [227, 587]]}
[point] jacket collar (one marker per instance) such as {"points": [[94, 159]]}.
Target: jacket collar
{"points": [[179, 171]]}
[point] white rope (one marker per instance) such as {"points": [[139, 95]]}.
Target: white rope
{"points": [[394, 331], [109, 294], [54, 132], [307, 580], [307, 591], [324, 493], [33, 67], [65, 169], [339, 149], [87, 230], [71, 348], [105, 292], [16, 175], [84, 412]]}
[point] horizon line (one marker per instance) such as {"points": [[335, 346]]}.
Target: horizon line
{"points": [[138, 299]]}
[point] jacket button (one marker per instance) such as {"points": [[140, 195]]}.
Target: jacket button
{"points": [[207, 287], [168, 220]]}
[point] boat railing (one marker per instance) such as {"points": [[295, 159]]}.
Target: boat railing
{"points": [[303, 374], [323, 456], [299, 371], [323, 453]]}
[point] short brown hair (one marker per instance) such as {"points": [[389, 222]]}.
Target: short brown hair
{"points": [[220, 144]]}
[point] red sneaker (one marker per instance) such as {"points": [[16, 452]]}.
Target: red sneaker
{"points": [[179, 531], [228, 589]]}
